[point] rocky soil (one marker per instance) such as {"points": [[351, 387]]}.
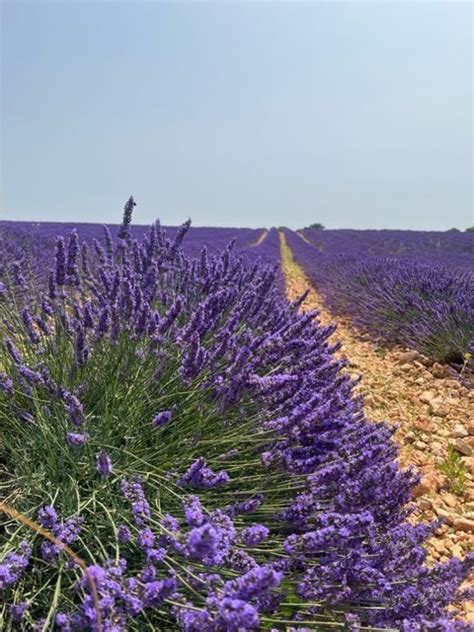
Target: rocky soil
{"points": [[434, 412]]}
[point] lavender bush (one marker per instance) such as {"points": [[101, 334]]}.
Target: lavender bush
{"points": [[404, 300], [190, 436]]}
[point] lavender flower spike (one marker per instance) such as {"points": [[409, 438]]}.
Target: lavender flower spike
{"points": [[162, 418], [104, 464]]}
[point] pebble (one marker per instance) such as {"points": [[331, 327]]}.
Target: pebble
{"points": [[438, 545], [450, 500], [439, 409], [459, 432], [463, 447], [424, 504], [463, 524], [427, 396], [439, 371], [446, 515], [408, 356]]}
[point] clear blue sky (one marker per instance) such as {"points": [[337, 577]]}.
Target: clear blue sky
{"points": [[239, 114]]}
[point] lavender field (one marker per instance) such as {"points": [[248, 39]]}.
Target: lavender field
{"points": [[181, 447]]}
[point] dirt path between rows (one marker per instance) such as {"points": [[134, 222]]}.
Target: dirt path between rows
{"points": [[261, 237], [436, 428]]}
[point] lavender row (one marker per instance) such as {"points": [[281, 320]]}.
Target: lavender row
{"points": [[189, 434], [29, 246], [429, 307], [452, 249]]}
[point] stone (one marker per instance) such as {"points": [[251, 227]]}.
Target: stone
{"points": [[424, 504], [429, 483], [457, 551], [425, 361], [439, 371], [408, 356], [439, 408], [421, 445], [463, 447], [450, 500], [459, 432], [447, 516], [427, 396], [469, 494], [425, 425], [437, 449], [438, 545], [463, 524]]}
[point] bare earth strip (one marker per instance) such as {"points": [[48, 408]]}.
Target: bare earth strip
{"points": [[432, 409], [261, 237]]}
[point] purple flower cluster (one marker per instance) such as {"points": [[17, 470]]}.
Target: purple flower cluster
{"points": [[200, 475], [14, 565], [66, 532]]}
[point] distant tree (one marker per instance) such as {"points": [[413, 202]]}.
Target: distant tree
{"points": [[316, 226], [469, 229], [454, 230]]}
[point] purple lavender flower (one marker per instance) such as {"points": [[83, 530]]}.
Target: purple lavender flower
{"points": [[103, 324], [52, 289], [13, 351], [48, 517], [124, 534], [14, 565], [72, 254], [203, 542], [6, 384], [255, 582], [234, 614], [69, 531], [124, 230], [255, 534], [193, 511], [30, 326], [26, 417], [162, 418], [245, 506], [60, 257], [157, 592], [77, 439], [74, 408], [33, 377], [146, 539], [104, 464], [155, 556], [18, 611], [199, 474], [134, 492]]}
